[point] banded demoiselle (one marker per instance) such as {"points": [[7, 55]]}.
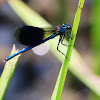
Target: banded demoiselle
{"points": [[32, 36]]}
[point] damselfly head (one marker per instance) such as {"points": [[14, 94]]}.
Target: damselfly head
{"points": [[67, 26]]}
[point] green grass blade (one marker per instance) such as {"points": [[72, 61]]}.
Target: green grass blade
{"points": [[7, 74], [77, 65], [62, 75]]}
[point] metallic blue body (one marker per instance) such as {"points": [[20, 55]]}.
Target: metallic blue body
{"points": [[28, 48], [62, 29]]}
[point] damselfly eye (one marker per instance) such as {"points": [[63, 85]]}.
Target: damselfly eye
{"points": [[64, 25], [67, 26]]}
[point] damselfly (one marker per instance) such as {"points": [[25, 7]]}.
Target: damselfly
{"points": [[32, 36]]}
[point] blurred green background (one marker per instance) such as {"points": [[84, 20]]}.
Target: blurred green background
{"points": [[36, 74]]}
